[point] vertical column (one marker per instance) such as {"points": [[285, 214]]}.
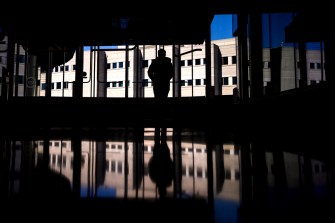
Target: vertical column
{"points": [[210, 179], [76, 148], [330, 60], [48, 75], [256, 56], [303, 64], [243, 57], [177, 72], [208, 62], [126, 87], [78, 86], [177, 160]]}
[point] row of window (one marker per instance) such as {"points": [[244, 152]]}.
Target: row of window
{"points": [[312, 65], [56, 85], [145, 83], [145, 63]]}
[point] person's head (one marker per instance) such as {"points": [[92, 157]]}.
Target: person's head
{"points": [[161, 53]]}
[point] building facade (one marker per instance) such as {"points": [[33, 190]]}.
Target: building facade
{"points": [[120, 72]]}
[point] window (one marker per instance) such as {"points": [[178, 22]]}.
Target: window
{"points": [[318, 65], [56, 69], [120, 83], [74, 67], [237, 175], [66, 85], [182, 63], [234, 60], [234, 80], [182, 83], [107, 165], [224, 60], [20, 79], [22, 58], [120, 64], [311, 65], [59, 85], [113, 166], [189, 62], [189, 82], [225, 80], [197, 62], [199, 173], [191, 172], [108, 66], [197, 81], [228, 175], [114, 84], [114, 65], [145, 83], [44, 86], [145, 63]]}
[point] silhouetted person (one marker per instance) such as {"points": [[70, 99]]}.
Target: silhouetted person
{"points": [[160, 72], [161, 164]]}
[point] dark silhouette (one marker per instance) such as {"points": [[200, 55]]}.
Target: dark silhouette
{"points": [[160, 72], [161, 164]]}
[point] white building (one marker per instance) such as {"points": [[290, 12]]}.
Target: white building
{"points": [[192, 69]]}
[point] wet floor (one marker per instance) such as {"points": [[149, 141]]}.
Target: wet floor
{"points": [[155, 174]]}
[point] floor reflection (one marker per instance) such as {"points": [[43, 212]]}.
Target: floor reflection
{"points": [[175, 165]]}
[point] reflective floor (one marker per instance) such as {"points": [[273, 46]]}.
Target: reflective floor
{"points": [[153, 174]]}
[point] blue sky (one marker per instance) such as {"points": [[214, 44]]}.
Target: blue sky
{"points": [[221, 27]]}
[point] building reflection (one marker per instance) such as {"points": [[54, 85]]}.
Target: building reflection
{"points": [[122, 168]]}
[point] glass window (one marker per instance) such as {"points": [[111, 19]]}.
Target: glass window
{"points": [[234, 80], [22, 58], [120, 64], [233, 58], [225, 80], [224, 60], [145, 63]]}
